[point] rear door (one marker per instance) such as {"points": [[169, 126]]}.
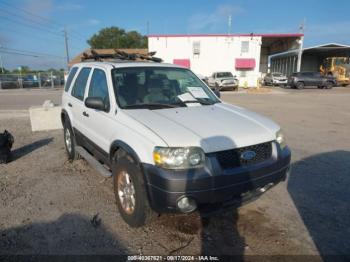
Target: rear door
{"points": [[317, 79], [77, 100]]}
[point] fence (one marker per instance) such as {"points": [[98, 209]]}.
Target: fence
{"points": [[32, 80]]}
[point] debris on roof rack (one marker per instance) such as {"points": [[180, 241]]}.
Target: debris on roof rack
{"points": [[120, 55]]}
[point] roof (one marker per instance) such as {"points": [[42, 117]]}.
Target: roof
{"points": [[227, 35], [79, 57], [124, 63], [328, 47]]}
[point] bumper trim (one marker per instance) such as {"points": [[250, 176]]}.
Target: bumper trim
{"points": [[224, 187]]}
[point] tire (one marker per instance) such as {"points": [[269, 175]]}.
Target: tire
{"points": [[70, 142], [320, 87], [329, 85], [300, 85], [128, 180]]}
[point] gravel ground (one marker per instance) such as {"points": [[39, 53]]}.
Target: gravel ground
{"points": [[47, 203]]}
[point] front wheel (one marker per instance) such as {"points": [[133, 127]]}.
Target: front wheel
{"points": [[300, 85], [329, 85], [130, 192]]}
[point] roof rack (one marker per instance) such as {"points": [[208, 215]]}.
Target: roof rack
{"points": [[120, 55]]}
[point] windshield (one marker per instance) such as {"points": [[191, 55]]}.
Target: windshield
{"points": [[224, 74], [277, 74], [159, 87]]}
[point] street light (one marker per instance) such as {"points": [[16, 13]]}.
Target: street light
{"points": [[1, 62]]}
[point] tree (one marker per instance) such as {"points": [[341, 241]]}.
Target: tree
{"points": [[3, 70], [114, 37]]}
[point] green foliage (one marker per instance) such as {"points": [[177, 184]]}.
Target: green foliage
{"points": [[3, 70], [114, 37]]}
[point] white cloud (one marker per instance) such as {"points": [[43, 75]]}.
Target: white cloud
{"points": [[69, 7], [93, 21], [213, 21]]}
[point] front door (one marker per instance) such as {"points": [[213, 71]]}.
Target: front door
{"points": [[99, 128]]}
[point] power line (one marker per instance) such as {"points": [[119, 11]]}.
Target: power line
{"points": [[17, 53], [27, 19], [30, 13], [32, 26], [29, 52], [77, 35]]}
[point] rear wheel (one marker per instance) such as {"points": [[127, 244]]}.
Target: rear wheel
{"points": [[130, 192], [329, 85], [69, 141], [300, 85]]}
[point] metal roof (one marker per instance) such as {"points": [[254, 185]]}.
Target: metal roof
{"points": [[319, 48], [225, 35]]}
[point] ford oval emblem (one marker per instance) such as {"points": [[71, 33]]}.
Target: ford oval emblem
{"points": [[248, 155]]}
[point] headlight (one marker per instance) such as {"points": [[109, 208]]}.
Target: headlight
{"points": [[281, 139], [178, 157]]}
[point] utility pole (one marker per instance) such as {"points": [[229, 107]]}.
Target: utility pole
{"points": [[301, 44], [66, 45], [1, 62], [229, 24], [147, 28]]}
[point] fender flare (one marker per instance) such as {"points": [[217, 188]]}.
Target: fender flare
{"points": [[65, 114], [119, 144]]}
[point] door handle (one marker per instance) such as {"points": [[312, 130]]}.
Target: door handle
{"points": [[85, 114], [70, 105]]}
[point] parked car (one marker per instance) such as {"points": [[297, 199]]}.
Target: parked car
{"points": [[203, 78], [170, 144], [30, 81], [9, 82], [275, 79], [302, 79], [223, 81]]}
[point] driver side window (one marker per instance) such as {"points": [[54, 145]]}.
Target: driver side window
{"points": [[99, 86]]}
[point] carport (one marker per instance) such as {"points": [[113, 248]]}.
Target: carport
{"points": [[272, 44], [311, 58]]}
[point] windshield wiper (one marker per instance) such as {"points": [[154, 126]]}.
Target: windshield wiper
{"points": [[150, 105], [202, 102]]}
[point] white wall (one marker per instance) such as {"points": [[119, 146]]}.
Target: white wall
{"points": [[217, 53]]}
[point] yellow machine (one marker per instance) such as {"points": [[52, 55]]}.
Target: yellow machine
{"points": [[338, 67]]}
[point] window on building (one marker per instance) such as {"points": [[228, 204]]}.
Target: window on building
{"points": [[243, 73], [196, 47], [244, 46], [80, 83], [99, 86]]}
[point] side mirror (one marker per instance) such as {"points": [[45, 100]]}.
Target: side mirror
{"points": [[95, 103], [217, 93]]}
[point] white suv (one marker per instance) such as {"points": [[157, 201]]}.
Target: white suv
{"points": [[170, 144]]}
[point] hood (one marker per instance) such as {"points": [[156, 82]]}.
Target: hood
{"points": [[226, 79], [214, 128]]}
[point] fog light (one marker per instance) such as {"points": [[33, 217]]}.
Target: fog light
{"points": [[186, 204]]}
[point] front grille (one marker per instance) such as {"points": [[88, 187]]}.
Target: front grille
{"points": [[233, 158]]}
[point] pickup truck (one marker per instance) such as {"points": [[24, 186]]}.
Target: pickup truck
{"points": [[223, 81]]}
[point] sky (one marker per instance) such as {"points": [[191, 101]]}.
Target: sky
{"points": [[37, 25]]}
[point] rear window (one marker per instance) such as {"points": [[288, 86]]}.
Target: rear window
{"points": [[79, 86], [224, 74], [71, 75]]}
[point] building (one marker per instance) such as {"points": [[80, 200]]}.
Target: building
{"points": [[245, 55], [311, 58]]}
